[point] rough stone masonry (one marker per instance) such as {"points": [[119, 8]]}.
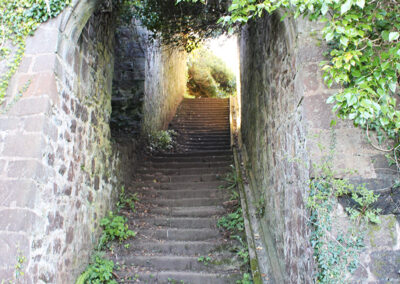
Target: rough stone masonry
{"points": [[59, 170], [284, 118]]}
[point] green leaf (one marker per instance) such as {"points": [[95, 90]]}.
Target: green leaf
{"points": [[345, 7], [324, 8], [393, 36], [385, 35], [360, 3], [329, 36], [392, 86]]}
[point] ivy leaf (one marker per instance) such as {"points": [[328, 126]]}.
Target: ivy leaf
{"points": [[360, 3], [393, 36], [330, 100], [329, 36], [392, 86], [385, 35], [345, 7], [324, 8]]}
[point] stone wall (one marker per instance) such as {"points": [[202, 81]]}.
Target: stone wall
{"points": [[164, 87], [129, 77], [59, 173], [284, 118]]}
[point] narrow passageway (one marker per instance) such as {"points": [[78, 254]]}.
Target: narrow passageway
{"points": [[181, 200]]}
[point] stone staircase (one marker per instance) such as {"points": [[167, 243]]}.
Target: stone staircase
{"points": [[180, 203]]}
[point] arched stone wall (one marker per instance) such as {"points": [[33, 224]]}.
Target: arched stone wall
{"points": [[59, 172]]}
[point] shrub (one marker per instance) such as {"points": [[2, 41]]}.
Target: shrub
{"points": [[209, 76]]}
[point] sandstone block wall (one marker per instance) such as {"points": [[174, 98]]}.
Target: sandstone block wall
{"points": [[164, 87], [131, 40], [284, 118], [59, 173]]}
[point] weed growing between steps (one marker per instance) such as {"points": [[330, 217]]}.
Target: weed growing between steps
{"points": [[161, 141], [233, 223], [127, 201], [115, 228], [337, 243], [99, 271]]}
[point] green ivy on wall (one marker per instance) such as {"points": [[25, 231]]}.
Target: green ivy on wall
{"points": [[18, 20], [364, 56]]}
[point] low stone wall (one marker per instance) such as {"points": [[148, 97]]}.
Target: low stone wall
{"points": [[284, 119], [164, 87]]}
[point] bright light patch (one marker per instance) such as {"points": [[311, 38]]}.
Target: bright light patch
{"points": [[226, 48]]}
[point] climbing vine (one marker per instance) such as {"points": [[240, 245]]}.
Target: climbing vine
{"points": [[336, 245], [18, 20], [364, 55]]}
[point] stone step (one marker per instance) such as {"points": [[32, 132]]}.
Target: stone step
{"points": [[176, 185], [192, 159], [209, 141], [194, 121], [203, 154], [202, 132], [175, 263], [206, 143], [179, 178], [178, 234], [180, 277], [185, 202], [193, 193], [210, 136], [200, 120], [182, 171], [176, 222], [200, 147], [202, 128], [186, 165], [201, 211], [187, 248]]}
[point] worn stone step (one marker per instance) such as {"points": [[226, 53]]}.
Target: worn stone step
{"points": [[173, 234], [203, 154], [201, 147], [205, 130], [177, 185], [187, 165], [184, 129], [201, 211], [191, 159], [179, 178], [176, 263], [210, 136], [183, 171], [202, 128], [169, 277], [193, 193], [196, 122], [209, 141], [225, 143], [200, 120], [188, 248], [177, 222], [185, 202], [205, 119]]}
